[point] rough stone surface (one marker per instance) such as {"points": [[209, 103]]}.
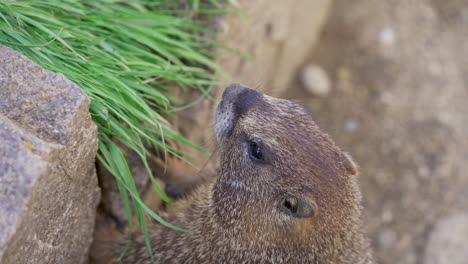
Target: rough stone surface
{"points": [[48, 185], [399, 105]]}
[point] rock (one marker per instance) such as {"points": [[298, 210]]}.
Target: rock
{"points": [[48, 185], [315, 80], [448, 241]]}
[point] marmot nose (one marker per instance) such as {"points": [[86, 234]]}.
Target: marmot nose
{"points": [[232, 92], [240, 96]]}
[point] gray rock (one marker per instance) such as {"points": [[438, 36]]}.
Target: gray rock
{"points": [[448, 241], [48, 184]]}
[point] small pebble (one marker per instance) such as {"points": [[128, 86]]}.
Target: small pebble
{"points": [[387, 36], [315, 80], [351, 125]]}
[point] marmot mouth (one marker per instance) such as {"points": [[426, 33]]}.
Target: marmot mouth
{"points": [[224, 120], [225, 115]]}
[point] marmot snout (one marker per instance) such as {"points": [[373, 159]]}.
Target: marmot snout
{"points": [[285, 193]]}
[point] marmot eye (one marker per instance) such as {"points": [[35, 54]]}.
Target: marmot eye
{"points": [[298, 207], [255, 151], [290, 204]]}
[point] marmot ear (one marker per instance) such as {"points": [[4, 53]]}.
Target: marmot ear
{"points": [[349, 164], [300, 207]]}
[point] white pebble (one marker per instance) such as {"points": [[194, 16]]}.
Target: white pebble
{"points": [[387, 36], [315, 80]]}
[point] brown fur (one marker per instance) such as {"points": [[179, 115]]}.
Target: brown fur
{"points": [[235, 218]]}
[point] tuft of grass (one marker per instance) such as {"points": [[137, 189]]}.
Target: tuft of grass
{"points": [[126, 56]]}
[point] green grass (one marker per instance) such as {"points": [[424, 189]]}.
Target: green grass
{"points": [[126, 56]]}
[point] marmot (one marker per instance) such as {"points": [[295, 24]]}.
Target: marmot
{"points": [[284, 193]]}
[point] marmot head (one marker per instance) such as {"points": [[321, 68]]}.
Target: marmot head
{"points": [[280, 175]]}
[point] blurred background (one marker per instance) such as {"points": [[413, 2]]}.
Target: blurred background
{"points": [[388, 80]]}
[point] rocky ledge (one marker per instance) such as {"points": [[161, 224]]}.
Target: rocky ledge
{"points": [[48, 185]]}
